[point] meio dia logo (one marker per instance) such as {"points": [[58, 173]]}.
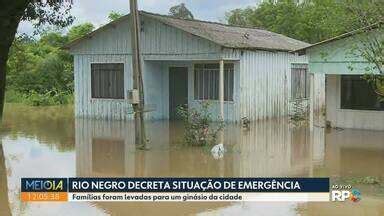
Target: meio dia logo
{"points": [[43, 185]]}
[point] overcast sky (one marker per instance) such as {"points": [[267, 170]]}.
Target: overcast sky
{"points": [[96, 11]]}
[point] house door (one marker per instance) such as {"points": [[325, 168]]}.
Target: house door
{"points": [[178, 89]]}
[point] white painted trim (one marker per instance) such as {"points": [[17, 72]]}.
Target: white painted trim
{"points": [[111, 62], [311, 99], [183, 65], [338, 92], [108, 99], [300, 63], [183, 58], [214, 101], [221, 88], [361, 111]]}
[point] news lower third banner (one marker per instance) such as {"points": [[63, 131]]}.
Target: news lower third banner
{"points": [[175, 189]]}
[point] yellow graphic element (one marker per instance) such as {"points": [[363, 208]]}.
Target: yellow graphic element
{"points": [[44, 196]]}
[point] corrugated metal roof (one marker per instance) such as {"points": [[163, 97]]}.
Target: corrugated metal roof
{"points": [[224, 35], [232, 36]]}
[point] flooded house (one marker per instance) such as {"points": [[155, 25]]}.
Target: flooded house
{"points": [[351, 101], [180, 61]]}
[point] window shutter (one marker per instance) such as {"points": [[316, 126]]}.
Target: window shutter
{"points": [[107, 80]]}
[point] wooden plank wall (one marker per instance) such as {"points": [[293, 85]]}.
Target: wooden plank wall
{"points": [[261, 83]]}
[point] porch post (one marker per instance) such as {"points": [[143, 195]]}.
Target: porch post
{"points": [[221, 89], [221, 97], [311, 100]]}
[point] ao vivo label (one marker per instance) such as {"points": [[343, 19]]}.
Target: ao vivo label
{"points": [[345, 192]]}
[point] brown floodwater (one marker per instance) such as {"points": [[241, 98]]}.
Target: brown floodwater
{"points": [[50, 142]]}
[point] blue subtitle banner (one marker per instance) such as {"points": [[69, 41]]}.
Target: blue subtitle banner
{"points": [[240, 185]]}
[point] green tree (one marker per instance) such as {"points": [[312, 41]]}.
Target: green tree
{"points": [[371, 41], [113, 15], [240, 17], [53, 38], [40, 72], [39, 66], [14, 11], [80, 30], [311, 21], [180, 11]]}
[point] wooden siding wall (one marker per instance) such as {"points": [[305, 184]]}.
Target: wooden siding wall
{"points": [[85, 106], [264, 85], [262, 78], [157, 78], [158, 41], [161, 45], [156, 82]]}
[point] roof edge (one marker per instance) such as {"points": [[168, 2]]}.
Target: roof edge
{"points": [[76, 41], [345, 35], [89, 35], [202, 21], [73, 43], [153, 15]]}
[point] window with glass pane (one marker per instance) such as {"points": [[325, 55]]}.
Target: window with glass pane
{"points": [[299, 81], [357, 94], [206, 81], [107, 80]]}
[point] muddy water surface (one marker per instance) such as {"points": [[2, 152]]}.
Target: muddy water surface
{"points": [[49, 142]]}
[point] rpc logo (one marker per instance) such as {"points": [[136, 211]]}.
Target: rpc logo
{"points": [[353, 195]]}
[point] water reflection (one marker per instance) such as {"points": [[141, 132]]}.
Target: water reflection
{"points": [[50, 142], [269, 148], [51, 126], [355, 153], [272, 148], [351, 155]]}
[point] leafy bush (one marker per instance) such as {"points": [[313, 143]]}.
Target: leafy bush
{"points": [[200, 128], [37, 99], [299, 113], [12, 96]]}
